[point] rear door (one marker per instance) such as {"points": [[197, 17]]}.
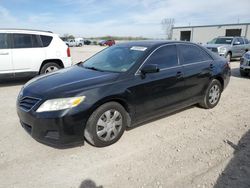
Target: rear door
{"points": [[198, 68], [6, 67], [28, 53]]}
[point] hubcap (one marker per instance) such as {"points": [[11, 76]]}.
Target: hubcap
{"points": [[109, 125], [51, 69], [214, 94]]}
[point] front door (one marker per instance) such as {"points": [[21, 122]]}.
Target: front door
{"points": [[161, 90]]}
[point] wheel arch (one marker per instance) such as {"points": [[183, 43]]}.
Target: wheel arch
{"points": [[57, 61], [221, 80], [229, 52], [130, 110]]}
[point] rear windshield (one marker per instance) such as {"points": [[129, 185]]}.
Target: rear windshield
{"points": [[46, 40]]}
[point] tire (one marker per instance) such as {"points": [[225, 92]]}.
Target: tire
{"points": [[229, 56], [80, 45], [49, 67], [211, 99], [243, 73], [101, 123]]}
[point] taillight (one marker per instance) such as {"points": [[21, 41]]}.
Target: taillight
{"points": [[68, 52]]}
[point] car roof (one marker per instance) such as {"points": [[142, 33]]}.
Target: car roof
{"points": [[152, 43], [28, 31]]}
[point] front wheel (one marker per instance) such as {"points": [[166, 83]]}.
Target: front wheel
{"points": [[106, 124], [229, 57], [212, 95]]}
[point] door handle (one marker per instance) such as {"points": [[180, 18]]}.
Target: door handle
{"points": [[4, 53], [179, 75]]}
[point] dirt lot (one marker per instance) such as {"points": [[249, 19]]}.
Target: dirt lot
{"points": [[192, 148]]}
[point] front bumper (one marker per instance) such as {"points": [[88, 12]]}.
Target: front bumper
{"points": [[59, 132]]}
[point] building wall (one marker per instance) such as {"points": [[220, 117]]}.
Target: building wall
{"points": [[207, 33]]}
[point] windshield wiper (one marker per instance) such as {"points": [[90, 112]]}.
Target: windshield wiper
{"points": [[93, 68]]}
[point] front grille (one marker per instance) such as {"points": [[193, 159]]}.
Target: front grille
{"points": [[213, 49], [27, 103]]}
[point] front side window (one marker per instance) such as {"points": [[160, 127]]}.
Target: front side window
{"points": [[3, 41], [115, 59], [22, 41], [164, 57], [193, 54], [241, 40]]}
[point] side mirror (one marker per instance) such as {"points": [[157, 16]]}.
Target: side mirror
{"points": [[151, 68], [236, 43]]}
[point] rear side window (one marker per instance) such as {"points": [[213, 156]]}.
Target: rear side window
{"points": [[46, 40], [246, 41], [22, 41], [3, 41], [36, 43], [164, 57], [193, 54]]}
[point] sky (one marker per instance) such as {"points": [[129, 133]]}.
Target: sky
{"points": [[93, 18]]}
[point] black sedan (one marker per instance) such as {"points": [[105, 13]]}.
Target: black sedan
{"points": [[120, 87]]}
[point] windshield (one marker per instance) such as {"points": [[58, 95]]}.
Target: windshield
{"points": [[115, 59], [221, 41]]}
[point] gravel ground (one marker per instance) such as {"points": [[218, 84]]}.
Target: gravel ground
{"points": [[191, 148]]}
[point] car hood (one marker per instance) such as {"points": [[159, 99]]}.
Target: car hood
{"points": [[216, 45], [69, 81]]}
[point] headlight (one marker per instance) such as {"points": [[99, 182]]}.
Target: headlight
{"points": [[60, 104], [222, 50]]}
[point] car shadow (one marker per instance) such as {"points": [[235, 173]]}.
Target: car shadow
{"points": [[237, 172], [13, 82], [89, 184]]}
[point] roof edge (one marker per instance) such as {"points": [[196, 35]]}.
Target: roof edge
{"points": [[218, 25], [16, 29]]}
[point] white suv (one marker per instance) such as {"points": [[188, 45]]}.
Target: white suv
{"points": [[28, 53]]}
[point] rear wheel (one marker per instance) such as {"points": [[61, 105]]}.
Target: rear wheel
{"points": [[106, 124], [49, 67], [212, 95]]}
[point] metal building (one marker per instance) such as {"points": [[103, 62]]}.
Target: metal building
{"points": [[204, 34]]}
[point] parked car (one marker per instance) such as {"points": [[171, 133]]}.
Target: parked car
{"points": [[87, 42], [245, 64], [229, 47], [120, 87], [77, 42], [28, 53], [107, 43]]}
